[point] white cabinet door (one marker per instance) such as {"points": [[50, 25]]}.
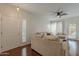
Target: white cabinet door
{"points": [[11, 33]]}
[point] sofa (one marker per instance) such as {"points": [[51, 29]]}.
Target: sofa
{"points": [[47, 44]]}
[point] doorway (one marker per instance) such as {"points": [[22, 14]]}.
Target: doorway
{"points": [[72, 33]]}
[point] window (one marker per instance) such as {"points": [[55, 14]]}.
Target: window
{"points": [[53, 28], [59, 27], [56, 27], [72, 31]]}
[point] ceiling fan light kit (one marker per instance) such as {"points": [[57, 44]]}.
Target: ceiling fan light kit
{"points": [[59, 16], [60, 13]]}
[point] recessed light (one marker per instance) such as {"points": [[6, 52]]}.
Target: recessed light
{"points": [[17, 9]]}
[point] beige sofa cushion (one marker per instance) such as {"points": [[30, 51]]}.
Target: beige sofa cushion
{"points": [[39, 34], [45, 35]]}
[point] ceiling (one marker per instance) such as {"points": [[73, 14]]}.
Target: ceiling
{"points": [[48, 8]]}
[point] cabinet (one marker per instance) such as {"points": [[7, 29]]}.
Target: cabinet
{"points": [[9, 32]]}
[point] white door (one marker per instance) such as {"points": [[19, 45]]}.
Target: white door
{"points": [[72, 33], [11, 33], [23, 30], [0, 34]]}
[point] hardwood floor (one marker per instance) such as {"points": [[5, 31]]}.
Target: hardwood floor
{"points": [[21, 51], [27, 51], [73, 47]]}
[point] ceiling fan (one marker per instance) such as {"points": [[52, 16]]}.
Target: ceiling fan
{"points": [[60, 13]]}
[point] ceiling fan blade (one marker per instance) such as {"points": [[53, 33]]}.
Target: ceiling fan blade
{"points": [[61, 11], [64, 14]]}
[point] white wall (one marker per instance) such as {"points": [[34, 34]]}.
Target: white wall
{"points": [[40, 23], [9, 12], [72, 20]]}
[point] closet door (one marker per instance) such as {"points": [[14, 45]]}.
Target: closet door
{"points": [[11, 33], [0, 34]]}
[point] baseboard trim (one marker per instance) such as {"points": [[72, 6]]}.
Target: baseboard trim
{"points": [[20, 45]]}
